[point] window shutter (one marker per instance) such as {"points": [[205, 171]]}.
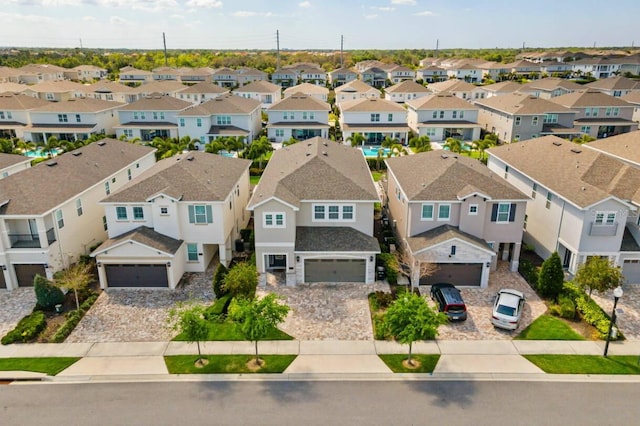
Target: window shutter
{"points": [[192, 215], [209, 214], [512, 212], [494, 213]]}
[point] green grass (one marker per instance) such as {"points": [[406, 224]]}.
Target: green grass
{"points": [[50, 366], [394, 362], [586, 364], [547, 327], [228, 331], [253, 180], [377, 176], [226, 364]]}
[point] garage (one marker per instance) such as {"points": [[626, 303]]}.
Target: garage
{"points": [[26, 273], [335, 270], [459, 274], [137, 275], [631, 271]]}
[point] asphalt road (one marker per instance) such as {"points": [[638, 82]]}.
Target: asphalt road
{"points": [[321, 403]]}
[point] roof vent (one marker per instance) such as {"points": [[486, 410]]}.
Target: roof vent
{"points": [[52, 163], [445, 156], [76, 153], [325, 144], [557, 143], [325, 153], [190, 158], [102, 143], [308, 154], [576, 150]]}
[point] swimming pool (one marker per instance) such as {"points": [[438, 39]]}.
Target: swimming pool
{"points": [[465, 147], [38, 153], [372, 151]]}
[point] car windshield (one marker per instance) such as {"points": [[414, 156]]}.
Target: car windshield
{"points": [[506, 310]]}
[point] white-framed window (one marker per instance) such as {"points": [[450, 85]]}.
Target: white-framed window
{"points": [[274, 220], [192, 252], [121, 213], [605, 218], [279, 133], [444, 211], [455, 114], [430, 131], [550, 118], [506, 172], [304, 115], [200, 214], [473, 209], [223, 120], [462, 114], [375, 117], [107, 190], [78, 118], [347, 212], [585, 129], [617, 93], [182, 122], [503, 213], [441, 114], [318, 212], [164, 211], [59, 219], [427, 212], [435, 114], [129, 174], [199, 122], [138, 213], [312, 115], [79, 207], [334, 212], [155, 115], [128, 133], [389, 117], [104, 223], [549, 198], [517, 121], [534, 120], [534, 190], [63, 118]]}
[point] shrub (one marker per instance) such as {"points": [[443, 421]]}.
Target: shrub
{"points": [[256, 171], [218, 309], [551, 277], [380, 329], [383, 300], [245, 234], [28, 328], [529, 272], [567, 307], [72, 320], [47, 295], [390, 263], [218, 281], [241, 280], [591, 312]]}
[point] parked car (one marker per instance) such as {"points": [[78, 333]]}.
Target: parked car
{"points": [[507, 309], [449, 301]]}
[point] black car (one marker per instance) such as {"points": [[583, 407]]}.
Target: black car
{"points": [[449, 301]]}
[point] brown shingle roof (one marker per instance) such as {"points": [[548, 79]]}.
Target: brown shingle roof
{"points": [[522, 103], [7, 160], [316, 169], [615, 83], [334, 239], [371, 105], [57, 86], [225, 104], [145, 236], [625, 146], [452, 85], [157, 103], [107, 86], [355, 86], [589, 98], [205, 87], [407, 86], [307, 89], [441, 101], [552, 83], [441, 234], [300, 102], [11, 102], [258, 86], [159, 87], [633, 97], [79, 105]]}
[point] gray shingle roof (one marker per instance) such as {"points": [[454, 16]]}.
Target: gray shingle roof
{"points": [[316, 169], [441, 234], [157, 103], [39, 189], [7, 160], [12, 102], [625, 146], [407, 86], [523, 104], [442, 100], [300, 102], [146, 236], [589, 98], [371, 105], [224, 104], [258, 86], [194, 176], [334, 239], [79, 105]]}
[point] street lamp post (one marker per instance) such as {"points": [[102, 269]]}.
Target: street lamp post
{"points": [[617, 294]]}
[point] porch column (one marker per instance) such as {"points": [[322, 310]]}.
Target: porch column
{"points": [[515, 257], [505, 251], [42, 232]]}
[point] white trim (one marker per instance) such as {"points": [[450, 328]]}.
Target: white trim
{"points": [[441, 219], [475, 213], [275, 244], [433, 212], [273, 220], [455, 239], [254, 206], [129, 241]]}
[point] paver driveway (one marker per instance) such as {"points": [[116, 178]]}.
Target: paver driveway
{"points": [[628, 317], [15, 304]]}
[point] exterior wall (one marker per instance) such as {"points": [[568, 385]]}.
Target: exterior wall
{"points": [[352, 96], [402, 97], [353, 117], [497, 122], [7, 171], [104, 121], [417, 225], [363, 220], [267, 99], [276, 241], [603, 244]]}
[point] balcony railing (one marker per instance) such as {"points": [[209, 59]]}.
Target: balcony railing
{"points": [[603, 229], [30, 240]]}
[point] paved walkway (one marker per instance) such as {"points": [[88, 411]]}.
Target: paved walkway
{"points": [[628, 309], [15, 304]]}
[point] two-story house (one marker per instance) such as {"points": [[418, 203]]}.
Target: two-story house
{"points": [[226, 115], [56, 91], [405, 91], [454, 213], [284, 77], [399, 73], [9, 75], [247, 75], [598, 114], [634, 99], [196, 75], [320, 92], [518, 116], [431, 74], [585, 202], [615, 86], [37, 73], [87, 73], [441, 116], [355, 89], [173, 219], [201, 92], [501, 88], [225, 77], [374, 76], [342, 76], [166, 74], [313, 215], [108, 90], [162, 87], [13, 163], [465, 72], [150, 117], [375, 119], [14, 113], [547, 88], [298, 116], [133, 76], [459, 88], [598, 67], [263, 91], [50, 214]]}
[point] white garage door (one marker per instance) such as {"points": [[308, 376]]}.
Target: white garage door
{"points": [[335, 270], [631, 271]]}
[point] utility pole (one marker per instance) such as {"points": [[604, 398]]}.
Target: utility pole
{"points": [[277, 49], [81, 44], [341, 51], [164, 42]]}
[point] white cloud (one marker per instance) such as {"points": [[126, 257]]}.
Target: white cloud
{"points": [[371, 16], [209, 4], [244, 14], [305, 4], [404, 2], [176, 17], [89, 19], [383, 8], [425, 13], [18, 17], [116, 20]]}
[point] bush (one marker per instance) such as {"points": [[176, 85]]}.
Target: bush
{"points": [[373, 164], [551, 277], [245, 234], [390, 263], [380, 330], [256, 171], [529, 272], [565, 308], [591, 312], [47, 295], [382, 299], [218, 281], [72, 320], [27, 329], [218, 309], [241, 280]]}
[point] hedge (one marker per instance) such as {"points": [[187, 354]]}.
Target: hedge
{"points": [[391, 266], [73, 318], [218, 308], [591, 312], [27, 329]]}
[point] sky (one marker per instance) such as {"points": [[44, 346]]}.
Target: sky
{"points": [[318, 24]]}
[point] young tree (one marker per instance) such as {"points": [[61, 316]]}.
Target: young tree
{"points": [[241, 280], [75, 278], [258, 149], [598, 274], [410, 318], [218, 281], [188, 319], [454, 145], [551, 278], [256, 318]]}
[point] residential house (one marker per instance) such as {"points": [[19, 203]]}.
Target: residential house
{"points": [[166, 74], [313, 215], [14, 113], [431, 74], [459, 88], [375, 119], [501, 88], [342, 76], [163, 88], [597, 67], [518, 116], [597, 114], [452, 212], [405, 91], [319, 92], [50, 215], [263, 91], [374, 76], [37, 73], [131, 76], [284, 77], [150, 117], [634, 99], [172, 219], [9, 75], [443, 115], [226, 115], [366, 64], [247, 75], [465, 72], [55, 90], [585, 202], [555, 69], [108, 90], [313, 75], [196, 75], [225, 77], [13, 87], [13, 163], [523, 68], [495, 71], [298, 116], [355, 89], [615, 86], [86, 73], [399, 73], [72, 120], [201, 92], [547, 88]]}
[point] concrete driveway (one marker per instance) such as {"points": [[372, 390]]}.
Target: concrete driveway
{"points": [[14, 305]]}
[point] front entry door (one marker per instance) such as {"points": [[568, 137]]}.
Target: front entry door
{"points": [[276, 261]]}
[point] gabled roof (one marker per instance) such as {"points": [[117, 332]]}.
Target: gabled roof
{"points": [[443, 100], [504, 86], [145, 236], [453, 85], [194, 176], [39, 189], [442, 234], [407, 86], [315, 169], [625, 146], [258, 86], [551, 83], [371, 105], [13, 87], [41, 68], [300, 102], [7, 160], [225, 104], [443, 176], [355, 86], [307, 89], [615, 83], [334, 239], [107, 86], [88, 68], [157, 103], [343, 70], [632, 98], [165, 86], [589, 98], [580, 175], [522, 103], [78, 105], [134, 71], [11, 102], [205, 87], [57, 86]]}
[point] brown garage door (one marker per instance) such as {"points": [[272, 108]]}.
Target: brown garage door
{"points": [[149, 275], [26, 273], [463, 274], [335, 270]]}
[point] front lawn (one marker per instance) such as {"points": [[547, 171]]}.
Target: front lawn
{"points": [[253, 180], [227, 330], [50, 366], [586, 364], [226, 364], [547, 327], [377, 176], [427, 362]]}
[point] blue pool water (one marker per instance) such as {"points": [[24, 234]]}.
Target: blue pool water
{"points": [[228, 154], [372, 151], [38, 153], [465, 147]]}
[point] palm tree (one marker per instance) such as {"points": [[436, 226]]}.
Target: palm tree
{"points": [[50, 145], [234, 143], [397, 150], [454, 145], [583, 139], [6, 146], [258, 149], [215, 146], [389, 142], [356, 139], [420, 144], [23, 146], [291, 141], [481, 145], [164, 147]]}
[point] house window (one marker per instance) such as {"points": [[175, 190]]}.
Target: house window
{"points": [[182, 122], [312, 115], [389, 117], [104, 223], [435, 114], [473, 209], [455, 114], [430, 131], [605, 218], [128, 133], [318, 212], [164, 211], [549, 198], [135, 115], [62, 118], [518, 119], [585, 129], [192, 252], [347, 212], [617, 93], [516, 138], [427, 212], [334, 212], [279, 133], [304, 115], [138, 213], [223, 120], [504, 210], [452, 252], [59, 219], [534, 120], [79, 206], [375, 117], [78, 118], [129, 174], [199, 122], [155, 115], [461, 114], [121, 213], [441, 114], [274, 220], [444, 212], [506, 172], [107, 190], [615, 112], [524, 225], [200, 214], [534, 190]]}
